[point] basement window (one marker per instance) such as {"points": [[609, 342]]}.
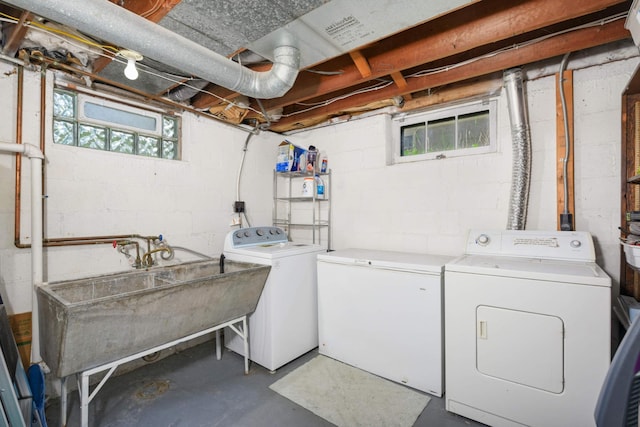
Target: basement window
{"points": [[85, 121], [449, 132]]}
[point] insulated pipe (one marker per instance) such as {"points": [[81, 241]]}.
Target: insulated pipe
{"points": [[521, 142], [115, 24], [36, 157]]}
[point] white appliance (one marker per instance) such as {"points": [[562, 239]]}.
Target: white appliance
{"points": [[381, 311], [527, 329], [285, 323]]}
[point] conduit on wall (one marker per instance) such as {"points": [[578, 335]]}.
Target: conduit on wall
{"points": [[117, 25], [521, 142]]}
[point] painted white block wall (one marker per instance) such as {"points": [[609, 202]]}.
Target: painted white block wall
{"points": [[92, 193], [429, 206], [425, 207]]}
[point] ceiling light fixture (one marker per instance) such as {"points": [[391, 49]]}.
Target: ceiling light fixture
{"points": [[130, 71]]}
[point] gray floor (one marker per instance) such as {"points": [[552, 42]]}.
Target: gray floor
{"points": [[192, 388]]}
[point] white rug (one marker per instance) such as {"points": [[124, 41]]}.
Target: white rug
{"points": [[349, 397]]}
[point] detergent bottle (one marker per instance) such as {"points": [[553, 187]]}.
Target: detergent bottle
{"points": [[319, 187]]}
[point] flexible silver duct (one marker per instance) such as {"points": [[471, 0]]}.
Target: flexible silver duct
{"points": [[521, 142], [115, 24]]}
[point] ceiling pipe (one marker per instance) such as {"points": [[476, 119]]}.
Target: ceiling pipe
{"points": [[115, 24]]}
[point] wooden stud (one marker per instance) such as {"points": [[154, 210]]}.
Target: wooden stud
{"points": [[561, 147]]}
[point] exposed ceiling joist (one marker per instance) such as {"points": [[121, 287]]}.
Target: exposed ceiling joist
{"points": [[16, 35], [555, 46], [465, 45], [361, 63], [476, 26]]}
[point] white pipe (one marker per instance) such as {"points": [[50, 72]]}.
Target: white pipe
{"points": [[36, 157]]}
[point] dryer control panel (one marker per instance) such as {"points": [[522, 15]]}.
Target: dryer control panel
{"points": [[255, 236], [561, 245]]}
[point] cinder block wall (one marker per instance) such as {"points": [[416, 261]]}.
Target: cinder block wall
{"points": [[430, 206]]}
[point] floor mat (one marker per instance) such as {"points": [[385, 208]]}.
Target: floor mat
{"points": [[349, 397]]}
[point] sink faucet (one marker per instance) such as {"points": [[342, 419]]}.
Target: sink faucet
{"points": [[160, 245], [121, 246], [147, 259]]}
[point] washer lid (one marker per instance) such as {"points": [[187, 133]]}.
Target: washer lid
{"points": [[576, 272], [275, 250], [387, 259]]}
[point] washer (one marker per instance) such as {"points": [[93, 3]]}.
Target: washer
{"points": [[527, 329], [381, 311], [284, 325]]}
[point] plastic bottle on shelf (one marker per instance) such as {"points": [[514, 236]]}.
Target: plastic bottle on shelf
{"points": [[307, 187], [312, 156], [323, 162], [319, 187]]}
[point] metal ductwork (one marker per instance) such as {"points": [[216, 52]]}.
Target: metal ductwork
{"points": [[115, 24], [521, 142]]}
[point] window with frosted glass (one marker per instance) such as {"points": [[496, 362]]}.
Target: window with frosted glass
{"points": [[170, 132], [101, 125]]}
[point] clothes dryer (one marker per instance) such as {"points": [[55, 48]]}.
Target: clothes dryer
{"points": [[527, 329]]}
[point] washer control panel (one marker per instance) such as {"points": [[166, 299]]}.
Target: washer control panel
{"points": [[254, 236], [561, 245]]}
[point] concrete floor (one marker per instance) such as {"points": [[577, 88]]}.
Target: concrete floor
{"points": [[192, 388]]}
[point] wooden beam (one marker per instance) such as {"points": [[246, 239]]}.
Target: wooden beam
{"points": [[482, 86], [554, 46], [361, 63], [483, 23], [16, 34], [561, 148]]}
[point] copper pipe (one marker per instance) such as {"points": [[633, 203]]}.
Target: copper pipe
{"points": [[110, 237], [58, 241], [47, 243], [18, 186], [90, 240]]}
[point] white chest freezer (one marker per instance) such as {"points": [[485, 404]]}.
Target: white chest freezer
{"points": [[381, 311]]}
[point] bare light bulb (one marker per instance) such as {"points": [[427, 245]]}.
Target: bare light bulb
{"points": [[130, 71]]}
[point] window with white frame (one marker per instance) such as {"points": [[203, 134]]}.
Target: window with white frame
{"points": [[448, 132], [91, 122]]}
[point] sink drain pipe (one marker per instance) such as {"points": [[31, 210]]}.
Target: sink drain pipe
{"points": [[36, 157], [521, 143]]}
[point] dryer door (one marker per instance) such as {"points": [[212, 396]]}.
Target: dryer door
{"points": [[521, 347]]}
